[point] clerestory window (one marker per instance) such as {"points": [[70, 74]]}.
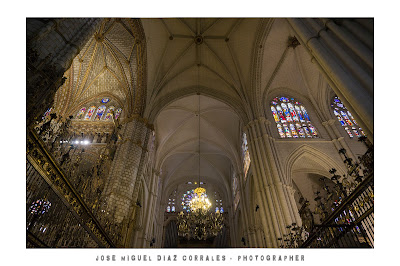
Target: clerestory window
{"points": [[292, 119]]}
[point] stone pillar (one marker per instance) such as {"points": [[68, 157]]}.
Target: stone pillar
{"points": [[150, 208], [276, 207], [52, 44], [345, 58], [245, 209], [122, 189]]}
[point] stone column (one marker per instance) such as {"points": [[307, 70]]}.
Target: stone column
{"points": [[245, 206], [150, 207], [276, 207], [347, 71], [122, 189]]}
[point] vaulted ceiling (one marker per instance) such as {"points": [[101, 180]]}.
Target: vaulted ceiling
{"points": [[105, 67], [237, 65], [182, 136]]}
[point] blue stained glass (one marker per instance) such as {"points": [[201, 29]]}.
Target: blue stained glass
{"points": [[90, 113], [287, 131], [307, 131], [280, 130], [221, 210], [299, 113], [348, 132], [346, 118], [300, 130], [100, 112], [108, 114], [313, 130], [81, 113], [286, 112], [47, 113], [352, 118], [342, 122], [105, 100], [280, 114], [284, 99], [293, 130], [293, 112], [305, 113]]}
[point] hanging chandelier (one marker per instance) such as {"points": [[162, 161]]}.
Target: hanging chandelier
{"points": [[199, 222], [199, 201]]}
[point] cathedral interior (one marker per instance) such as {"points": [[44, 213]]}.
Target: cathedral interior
{"points": [[130, 122]]}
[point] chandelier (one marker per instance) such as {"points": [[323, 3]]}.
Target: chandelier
{"points": [[199, 222], [199, 201]]}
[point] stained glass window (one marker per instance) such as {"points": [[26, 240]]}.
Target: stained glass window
{"points": [[100, 112], [171, 202], [109, 113], [246, 155], [39, 206], [187, 197], [47, 113], [90, 113], [118, 113], [218, 203], [105, 100], [292, 119], [81, 113], [346, 119]]}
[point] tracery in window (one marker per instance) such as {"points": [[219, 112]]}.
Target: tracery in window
{"points": [[171, 202], [100, 112], [186, 198], [109, 113], [81, 113], [218, 203], [105, 100], [90, 112], [246, 155], [346, 119], [292, 119], [118, 113]]}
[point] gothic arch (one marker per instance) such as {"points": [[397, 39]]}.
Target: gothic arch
{"points": [[307, 152], [284, 91], [258, 52], [163, 101]]}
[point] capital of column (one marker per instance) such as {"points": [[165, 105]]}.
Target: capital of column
{"points": [[328, 122], [264, 120], [138, 118]]}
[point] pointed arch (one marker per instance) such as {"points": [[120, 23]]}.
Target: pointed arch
{"points": [[324, 161]]}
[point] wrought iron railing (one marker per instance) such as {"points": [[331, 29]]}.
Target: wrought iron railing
{"points": [[57, 216], [345, 209], [351, 224]]}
